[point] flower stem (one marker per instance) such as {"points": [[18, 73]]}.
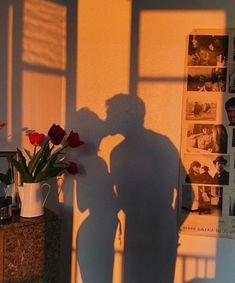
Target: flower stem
{"points": [[34, 152]]}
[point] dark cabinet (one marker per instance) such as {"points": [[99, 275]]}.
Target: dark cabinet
{"points": [[29, 249]]}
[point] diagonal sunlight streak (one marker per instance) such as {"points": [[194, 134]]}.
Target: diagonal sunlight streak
{"points": [[44, 34]]}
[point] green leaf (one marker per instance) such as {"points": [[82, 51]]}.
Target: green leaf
{"points": [[49, 173], [4, 179], [46, 168], [21, 166], [39, 157], [10, 175], [26, 177], [21, 157], [10, 171]]}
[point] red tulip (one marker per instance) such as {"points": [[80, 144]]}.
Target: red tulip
{"points": [[36, 139], [72, 168], [74, 140], [56, 134]]}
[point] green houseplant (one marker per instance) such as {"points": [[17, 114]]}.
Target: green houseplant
{"points": [[8, 177]]}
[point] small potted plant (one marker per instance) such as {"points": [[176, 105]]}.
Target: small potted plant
{"points": [[8, 177]]}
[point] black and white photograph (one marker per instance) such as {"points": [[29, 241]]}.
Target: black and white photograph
{"points": [[207, 79], [233, 138], [229, 107], [234, 160], [232, 204], [200, 107], [232, 79], [208, 134], [206, 138], [208, 50], [234, 49], [202, 200], [208, 169]]}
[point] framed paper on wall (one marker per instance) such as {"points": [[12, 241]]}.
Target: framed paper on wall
{"points": [[207, 193]]}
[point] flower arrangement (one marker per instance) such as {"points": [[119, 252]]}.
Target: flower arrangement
{"points": [[48, 159]]}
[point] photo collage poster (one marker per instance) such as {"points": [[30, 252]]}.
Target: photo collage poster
{"points": [[207, 176]]}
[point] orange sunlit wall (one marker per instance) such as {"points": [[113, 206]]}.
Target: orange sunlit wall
{"points": [[103, 71], [103, 58], [44, 63], [33, 70], [162, 58], [103, 52]]}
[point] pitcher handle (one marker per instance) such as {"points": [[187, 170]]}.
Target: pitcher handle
{"points": [[49, 188]]}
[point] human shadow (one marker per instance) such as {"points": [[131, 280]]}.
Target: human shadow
{"points": [[95, 238], [144, 168]]}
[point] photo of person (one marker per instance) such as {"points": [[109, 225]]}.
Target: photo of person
{"points": [[207, 183], [206, 200], [207, 79], [194, 173], [234, 164], [208, 50], [206, 170], [205, 176], [206, 138], [198, 174], [233, 138], [200, 107], [230, 110], [232, 204], [234, 49], [210, 200], [221, 176], [232, 79]]}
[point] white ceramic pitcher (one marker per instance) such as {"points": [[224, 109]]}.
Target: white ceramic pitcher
{"points": [[32, 203]]}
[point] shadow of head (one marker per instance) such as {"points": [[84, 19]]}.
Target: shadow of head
{"points": [[91, 128], [124, 113]]}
